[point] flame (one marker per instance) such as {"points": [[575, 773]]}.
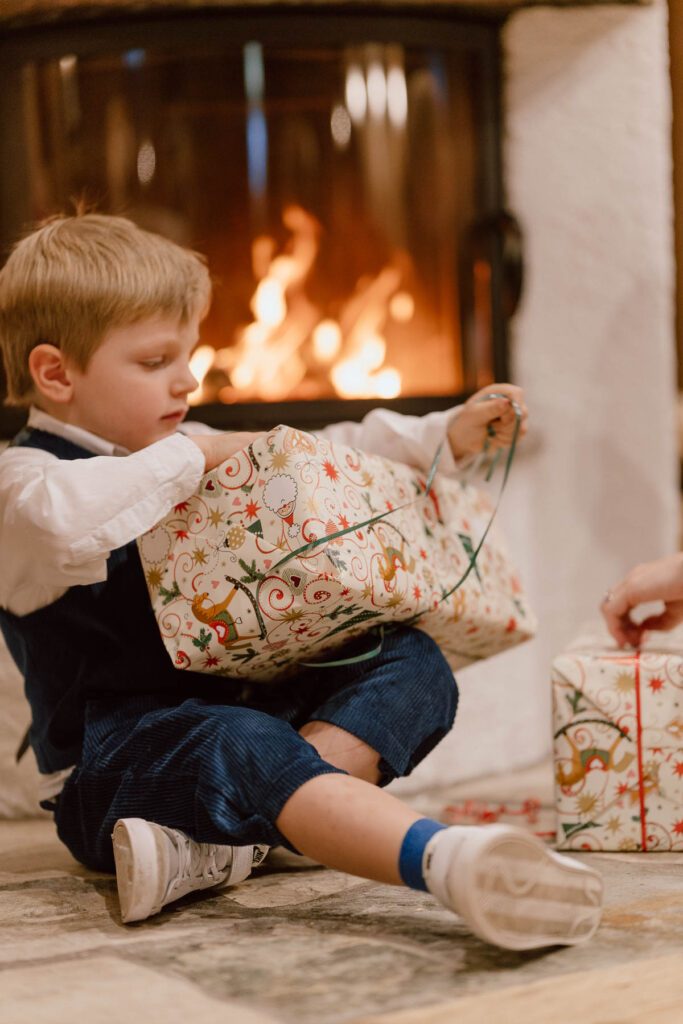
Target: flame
{"points": [[327, 340], [388, 383], [372, 353], [268, 303], [290, 337], [402, 307], [361, 377]]}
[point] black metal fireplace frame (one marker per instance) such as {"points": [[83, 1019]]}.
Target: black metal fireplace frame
{"points": [[319, 25]]}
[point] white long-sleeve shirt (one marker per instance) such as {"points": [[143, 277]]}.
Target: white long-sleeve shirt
{"points": [[61, 519]]}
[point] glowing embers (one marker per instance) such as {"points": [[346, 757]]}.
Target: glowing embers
{"points": [[294, 348]]}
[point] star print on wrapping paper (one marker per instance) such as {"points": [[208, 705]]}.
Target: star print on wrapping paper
{"points": [[199, 556], [252, 509], [656, 684], [280, 460], [154, 578], [624, 682]]}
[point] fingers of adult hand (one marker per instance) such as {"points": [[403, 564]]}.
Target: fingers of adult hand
{"points": [[661, 580], [618, 602], [671, 617], [613, 624], [615, 611], [625, 632], [658, 622]]}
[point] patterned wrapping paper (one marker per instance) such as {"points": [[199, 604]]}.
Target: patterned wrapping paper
{"points": [[223, 606], [618, 746]]}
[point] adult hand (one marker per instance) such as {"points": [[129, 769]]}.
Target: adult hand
{"points": [[661, 580], [470, 429], [219, 447]]}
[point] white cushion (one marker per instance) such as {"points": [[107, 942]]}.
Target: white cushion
{"points": [[18, 782]]}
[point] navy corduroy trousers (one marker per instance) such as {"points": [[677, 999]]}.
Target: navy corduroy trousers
{"points": [[221, 770]]}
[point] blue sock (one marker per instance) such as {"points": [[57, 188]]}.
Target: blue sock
{"points": [[412, 852]]}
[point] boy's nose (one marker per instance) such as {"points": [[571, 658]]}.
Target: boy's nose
{"points": [[186, 383]]}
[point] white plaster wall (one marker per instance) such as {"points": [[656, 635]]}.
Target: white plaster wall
{"points": [[588, 171]]}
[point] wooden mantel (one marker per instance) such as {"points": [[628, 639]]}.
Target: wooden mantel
{"points": [[32, 12]]}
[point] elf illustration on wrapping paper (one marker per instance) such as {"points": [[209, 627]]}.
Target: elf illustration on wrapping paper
{"points": [[279, 495], [583, 759], [218, 618], [392, 557]]}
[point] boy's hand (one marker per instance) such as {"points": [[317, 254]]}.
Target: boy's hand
{"points": [[468, 433], [219, 447]]}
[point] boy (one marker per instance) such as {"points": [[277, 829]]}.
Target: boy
{"points": [[194, 776]]}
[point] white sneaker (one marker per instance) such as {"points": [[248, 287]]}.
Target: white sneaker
{"points": [[510, 889], [156, 865]]}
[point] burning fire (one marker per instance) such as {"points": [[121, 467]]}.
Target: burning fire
{"points": [[290, 337]]}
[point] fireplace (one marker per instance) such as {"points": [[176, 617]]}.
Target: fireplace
{"points": [[341, 174], [587, 150]]}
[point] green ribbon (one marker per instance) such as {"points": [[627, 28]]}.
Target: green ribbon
{"points": [[365, 656], [312, 545], [506, 474]]}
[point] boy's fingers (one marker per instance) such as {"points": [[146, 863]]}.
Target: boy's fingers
{"points": [[484, 412], [512, 390], [501, 409]]}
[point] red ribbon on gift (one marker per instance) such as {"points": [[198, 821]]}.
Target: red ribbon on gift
{"points": [[635, 661], [639, 744]]}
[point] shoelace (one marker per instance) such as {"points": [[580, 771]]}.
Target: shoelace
{"points": [[198, 861]]}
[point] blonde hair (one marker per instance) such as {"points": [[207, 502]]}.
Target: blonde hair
{"points": [[73, 278]]}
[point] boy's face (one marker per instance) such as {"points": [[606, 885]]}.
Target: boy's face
{"points": [[134, 389]]}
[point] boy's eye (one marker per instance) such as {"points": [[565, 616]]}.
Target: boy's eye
{"points": [[153, 363]]}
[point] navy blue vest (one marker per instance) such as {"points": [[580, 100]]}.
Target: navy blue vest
{"points": [[96, 641]]}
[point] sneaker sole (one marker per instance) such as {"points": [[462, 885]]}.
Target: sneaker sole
{"points": [[517, 894], [135, 857]]}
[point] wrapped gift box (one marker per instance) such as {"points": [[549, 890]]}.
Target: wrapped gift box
{"points": [[618, 745], [232, 599]]}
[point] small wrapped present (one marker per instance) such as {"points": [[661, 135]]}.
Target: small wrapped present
{"points": [[267, 566], [618, 745]]}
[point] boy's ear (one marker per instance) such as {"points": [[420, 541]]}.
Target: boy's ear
{"points": [[50, 373]]}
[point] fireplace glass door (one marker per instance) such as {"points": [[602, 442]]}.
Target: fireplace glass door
{"points": [[334, 172]]}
